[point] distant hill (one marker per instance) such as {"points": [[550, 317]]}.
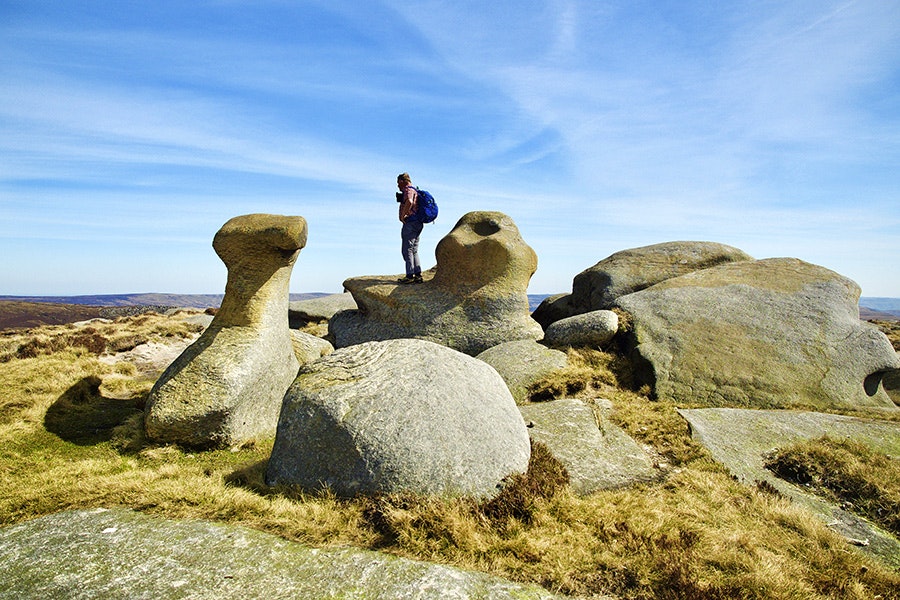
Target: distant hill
{"points": [[18, 314], [32, 311], [884, 305], [148, 299]]}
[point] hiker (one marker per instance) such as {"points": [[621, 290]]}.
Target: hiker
{"points": [[412, 228]]}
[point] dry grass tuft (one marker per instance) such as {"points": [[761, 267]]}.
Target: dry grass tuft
{"points": [[522, 494], [587, 371], [845, 471], [97, 338], [891, 329]]}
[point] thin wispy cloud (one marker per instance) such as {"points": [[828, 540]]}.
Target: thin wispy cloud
{"points": [[131, 133]]}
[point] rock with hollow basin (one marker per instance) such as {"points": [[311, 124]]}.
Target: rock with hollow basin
{"points": [[475, 298]]}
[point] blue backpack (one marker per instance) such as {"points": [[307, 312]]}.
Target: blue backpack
{"points": [[427, 210]]}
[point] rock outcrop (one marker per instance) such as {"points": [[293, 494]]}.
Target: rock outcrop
{"points": [[522, 363], [318, 310], [765, 334], [308, 347], [593, 329], [632, 270], [475, 298], [399, 415], [891, 383], [227, 387], [121, 554], [597, 454]]}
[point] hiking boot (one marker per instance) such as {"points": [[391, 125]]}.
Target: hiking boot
{"points": [[407, 279], [417, 279]]}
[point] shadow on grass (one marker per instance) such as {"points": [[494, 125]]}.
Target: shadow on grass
{"points": [[251, 477], [83, 416]]}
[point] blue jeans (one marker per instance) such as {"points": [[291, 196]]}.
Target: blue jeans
{"points": [[410, 246]]}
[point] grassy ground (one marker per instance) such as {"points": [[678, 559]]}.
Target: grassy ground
{"points": [[71, 436]]}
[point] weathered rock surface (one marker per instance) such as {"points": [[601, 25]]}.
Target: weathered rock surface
{"points": [[399, 415], [475, 298], [120, 554], [552, 309], [592, 329], [226, 387], [632, 270], [891, 384], [308, 347], [597, 454], [740, 439], [522, 363], [767, 334], [318, 310]]}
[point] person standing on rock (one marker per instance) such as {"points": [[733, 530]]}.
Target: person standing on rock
{"points": [[412, 228]]}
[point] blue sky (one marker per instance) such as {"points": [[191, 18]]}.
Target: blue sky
{"points": [[130, 131]]}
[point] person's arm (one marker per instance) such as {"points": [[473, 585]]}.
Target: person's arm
{"points": [[409, 204]]}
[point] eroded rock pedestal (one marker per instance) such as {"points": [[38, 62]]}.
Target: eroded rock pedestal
{"points": [[475, 298], [227, 387]]}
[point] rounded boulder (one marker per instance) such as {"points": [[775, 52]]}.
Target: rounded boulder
{"points": [[400, 415]]}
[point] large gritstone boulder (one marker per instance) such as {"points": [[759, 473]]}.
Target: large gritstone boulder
{"points": [[227, 387], [475, 298], [762, 334], [400, 415], [632, 270]]}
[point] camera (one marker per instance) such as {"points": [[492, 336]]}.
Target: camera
{"points": [[399, 196]]}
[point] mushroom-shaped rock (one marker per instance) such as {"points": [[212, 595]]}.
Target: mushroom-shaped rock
{"points": [[398, 415], [762, 334], [227, 387], [476, 297]]}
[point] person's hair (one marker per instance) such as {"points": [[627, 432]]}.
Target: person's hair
{"points": [[404, 177]]}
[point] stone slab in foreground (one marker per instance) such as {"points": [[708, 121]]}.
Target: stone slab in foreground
{"points": [[119, 553], [740, 439]]}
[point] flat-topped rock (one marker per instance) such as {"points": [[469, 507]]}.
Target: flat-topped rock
{"points": [[119, 554], [597, 454], [476, 297], [318, 310], [522, 363], [628, 271]]}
